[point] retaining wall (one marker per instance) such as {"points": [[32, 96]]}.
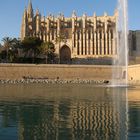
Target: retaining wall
{"points": [[18, 71], [89, 72], [134, 73]]}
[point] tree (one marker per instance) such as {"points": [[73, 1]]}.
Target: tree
{"points": [[59, 39], [1, 48], [0, 52], [15, 48], [48, 49], [10, 49], [16, 43], [7, 45], [32, 44]]}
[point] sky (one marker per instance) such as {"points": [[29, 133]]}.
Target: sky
{"points": [[11, 12]]}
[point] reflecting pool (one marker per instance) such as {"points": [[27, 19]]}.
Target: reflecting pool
{"points": [[69, 112]]}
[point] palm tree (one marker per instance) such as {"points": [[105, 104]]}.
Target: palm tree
{"points": [[16, 46], [17, 43], [59, 39], [48, 50], [7, 45]]}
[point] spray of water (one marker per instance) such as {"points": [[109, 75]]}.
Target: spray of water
{"points": [[120, 71]]}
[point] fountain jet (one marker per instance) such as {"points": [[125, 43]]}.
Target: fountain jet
{"points": [[120, 69]]}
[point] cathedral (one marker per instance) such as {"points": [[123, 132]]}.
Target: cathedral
{"points": [[84, 39]]}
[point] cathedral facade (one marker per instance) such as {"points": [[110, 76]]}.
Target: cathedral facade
{"points": [[81, 39]]}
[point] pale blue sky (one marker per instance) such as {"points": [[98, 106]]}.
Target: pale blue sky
{"points": [[11, 11]]}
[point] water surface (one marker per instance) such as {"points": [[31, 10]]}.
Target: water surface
{"points": [[69, 112]]}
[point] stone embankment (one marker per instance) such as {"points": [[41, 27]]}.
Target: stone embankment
{"points": [[60, 74], [94, 74], [53, 81]]}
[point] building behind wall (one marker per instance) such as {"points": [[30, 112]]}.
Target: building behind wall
{"points": [[86, 39], [134, 47]]}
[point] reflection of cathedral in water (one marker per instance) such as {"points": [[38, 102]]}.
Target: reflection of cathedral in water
{"points": [[71, 120]]}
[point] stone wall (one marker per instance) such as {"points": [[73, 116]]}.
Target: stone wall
{"points": [[90, 72], [93, 61], [134, 72], [68, 72]]}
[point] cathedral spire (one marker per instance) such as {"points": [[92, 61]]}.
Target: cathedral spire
{"points": [[37, 11], [74, 14], [30, 9], [25, 10], [30, 4], [24, 24]]}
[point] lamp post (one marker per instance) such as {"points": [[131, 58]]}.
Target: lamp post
{"points": [[59, 52], [6, 55]]}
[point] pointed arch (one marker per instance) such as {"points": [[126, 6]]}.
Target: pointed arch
{"points": [[65, 55]]}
